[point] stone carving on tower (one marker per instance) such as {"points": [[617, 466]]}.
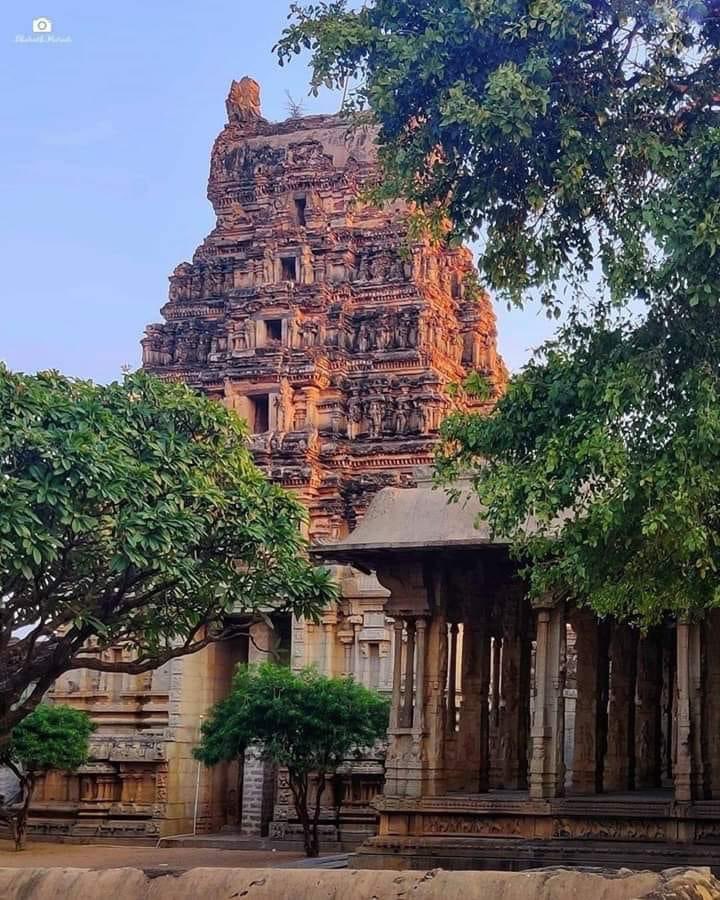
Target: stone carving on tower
{"points": [[309, 312]]}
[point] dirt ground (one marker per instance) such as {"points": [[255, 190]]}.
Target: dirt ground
{"points": [[100, 856]]}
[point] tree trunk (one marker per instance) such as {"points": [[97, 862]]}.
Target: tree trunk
{"points": [[299, 788], [316, 815], [20, 822]]}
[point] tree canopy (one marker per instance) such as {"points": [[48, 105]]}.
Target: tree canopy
{"points": [[50, 737], [132, 514], [578, 140], [552, 128], [304, 721]]}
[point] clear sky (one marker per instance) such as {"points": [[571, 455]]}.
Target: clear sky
{"points": [[104, 153]]}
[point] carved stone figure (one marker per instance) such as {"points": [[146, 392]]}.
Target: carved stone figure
{"points": [[382, 335], [243, 101], [241, 341], [268, 266], [363, 340], [375, 416], [403, 409], [354, 417]]}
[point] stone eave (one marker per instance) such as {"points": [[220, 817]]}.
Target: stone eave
{"points": [[412, 521]]}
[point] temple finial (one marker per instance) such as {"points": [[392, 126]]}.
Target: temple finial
{"points": [[243, 101]]}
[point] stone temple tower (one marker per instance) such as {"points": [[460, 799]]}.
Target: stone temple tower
{"points": [[308, 311]]}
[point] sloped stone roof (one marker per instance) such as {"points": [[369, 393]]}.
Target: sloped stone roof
{"points": [[419, 518]]}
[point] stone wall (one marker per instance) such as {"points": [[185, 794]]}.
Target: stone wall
{"points": [[297, 884]]}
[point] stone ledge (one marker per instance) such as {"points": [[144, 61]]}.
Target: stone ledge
{"points": [[299, 884]]}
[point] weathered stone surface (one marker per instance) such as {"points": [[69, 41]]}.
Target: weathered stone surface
{"points": [[295, 884], [314, 316]]}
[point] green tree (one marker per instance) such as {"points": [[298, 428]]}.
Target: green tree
{"points": [[132, 515], [304, 721], [50, 737], [578, 139]]}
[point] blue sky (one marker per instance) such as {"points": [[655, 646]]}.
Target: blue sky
{"points": [[104, 152]]}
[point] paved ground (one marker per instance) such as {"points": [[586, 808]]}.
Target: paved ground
{"points": [[100, 856]]}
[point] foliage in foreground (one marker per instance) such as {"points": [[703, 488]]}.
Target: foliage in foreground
{"points": [[50, 737], [131, 514], [577, 139], [304, 721]]}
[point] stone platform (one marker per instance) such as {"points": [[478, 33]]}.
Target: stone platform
{"points": [[507, 830]]}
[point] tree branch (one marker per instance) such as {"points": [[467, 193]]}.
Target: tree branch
{"points": [[145, 664]]}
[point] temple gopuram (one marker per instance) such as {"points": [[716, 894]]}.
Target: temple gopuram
{"points": [[308, 311], [311, 313]]}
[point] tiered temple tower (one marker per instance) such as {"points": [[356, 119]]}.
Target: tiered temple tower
{"points": [[309, 312]]}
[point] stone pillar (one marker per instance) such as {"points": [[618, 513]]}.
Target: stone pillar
{"points": [[329, 648], [585, 757], [258, 774], [397, 674], [496, 764], [406, 713], [472, 737], [347, 643], [512, 728], [357, 628], [712, 702], [431, 682], [620, 757], [452, 679], [418, 717], [697, 725], [668, 706], [547, 769], [683, 754], [648, 735]]}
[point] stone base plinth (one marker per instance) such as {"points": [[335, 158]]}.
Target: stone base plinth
{"points": [[511, 832]]}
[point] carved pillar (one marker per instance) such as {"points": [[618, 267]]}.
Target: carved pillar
{"points": [[329, 648], [406, 714], [357, 627], [585, 757], [513, 729], [258, 773], [397, 674], [452, 679], [454, 764], [648, 736], [683, 753], [697, 725], [591, 709], [472, 737], [496, 765], [347, 643], [668, 704], [431, 688], [712, 703], [547, 769], [419, 709], [415, 762], [620, 757]]}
